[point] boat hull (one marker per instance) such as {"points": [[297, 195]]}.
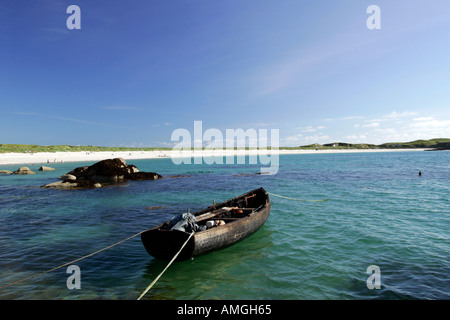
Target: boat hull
{"points": [[164, 244]]}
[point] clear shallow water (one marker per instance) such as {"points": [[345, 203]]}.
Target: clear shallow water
{"points": [[379, 212]]}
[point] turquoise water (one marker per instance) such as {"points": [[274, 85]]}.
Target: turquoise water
{"points": [[379, 212]]}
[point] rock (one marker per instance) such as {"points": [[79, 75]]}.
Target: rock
{"points": [[442, 146], [23, 170], [73, 184], [67, 177], [112, 171], [5, 172], [78, 172], [102, 173], [154, 208], [143, 176], [122, 160], [44, 168], [132, 169]]}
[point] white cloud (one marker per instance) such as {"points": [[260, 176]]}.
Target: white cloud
{"points": [[396, 115], [356, 138], [393, 116], [430, 127], [423, 119], [429, 123], [424, 127], [387, 131], [299, 139], [390, 127], [372, 125], [344, 118], [310, 128]]}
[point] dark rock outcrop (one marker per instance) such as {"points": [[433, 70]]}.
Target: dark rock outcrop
{"points": [[102, 173], [443, 146], [112, 170]]}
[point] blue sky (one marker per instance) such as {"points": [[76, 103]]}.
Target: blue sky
{"points": [[138, 70]]}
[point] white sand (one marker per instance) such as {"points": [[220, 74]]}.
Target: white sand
{"points": [[58, 157]]}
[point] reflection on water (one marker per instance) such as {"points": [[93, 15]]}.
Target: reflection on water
{"points": [[202, 276]]}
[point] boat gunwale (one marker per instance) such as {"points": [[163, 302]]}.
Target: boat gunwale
{"points": [[255, 212], [220, 206]]}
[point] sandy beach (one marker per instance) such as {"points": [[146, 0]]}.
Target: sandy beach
{"points": [[58, 157]]}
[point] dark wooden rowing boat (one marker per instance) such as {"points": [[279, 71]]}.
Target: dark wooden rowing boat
{"points": [[243, 215]]}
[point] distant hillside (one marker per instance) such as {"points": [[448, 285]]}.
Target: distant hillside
{"points": [[443, 146], [437, 144], [440, 144], [433, 143], [5, 148]]}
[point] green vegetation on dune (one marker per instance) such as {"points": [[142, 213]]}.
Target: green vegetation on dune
{"points": [[336, 145], [433, 143], [440, 143], [5, 148]]}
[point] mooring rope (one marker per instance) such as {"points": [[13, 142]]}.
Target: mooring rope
{"points": [[159, 276], [276, 195], [117, 243], [71, 262]]}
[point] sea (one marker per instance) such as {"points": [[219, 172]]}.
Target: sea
{"points": [[343, 226]]}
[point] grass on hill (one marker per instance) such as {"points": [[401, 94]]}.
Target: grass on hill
{"points": [[440, 143], [5, 148], [432, 143]]}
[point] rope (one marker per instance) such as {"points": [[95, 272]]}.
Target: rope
{"points": [[117, 243], [159, 276], [276, 195], [71, 262]]}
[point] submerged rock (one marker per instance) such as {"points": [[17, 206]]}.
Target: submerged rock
{"points": [[105, 172], [154, 208], [67, 177], [44, 168], [24, 170], [73, 184]]}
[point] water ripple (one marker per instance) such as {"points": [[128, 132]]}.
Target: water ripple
{"points": [[379, 212]]}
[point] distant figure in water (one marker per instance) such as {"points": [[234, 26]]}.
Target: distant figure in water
{"points": [[420, 173]]}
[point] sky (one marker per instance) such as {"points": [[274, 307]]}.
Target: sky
{"points": [[138, 70]]}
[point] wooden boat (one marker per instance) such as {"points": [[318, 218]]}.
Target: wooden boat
{"points": [[243, 215]]}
